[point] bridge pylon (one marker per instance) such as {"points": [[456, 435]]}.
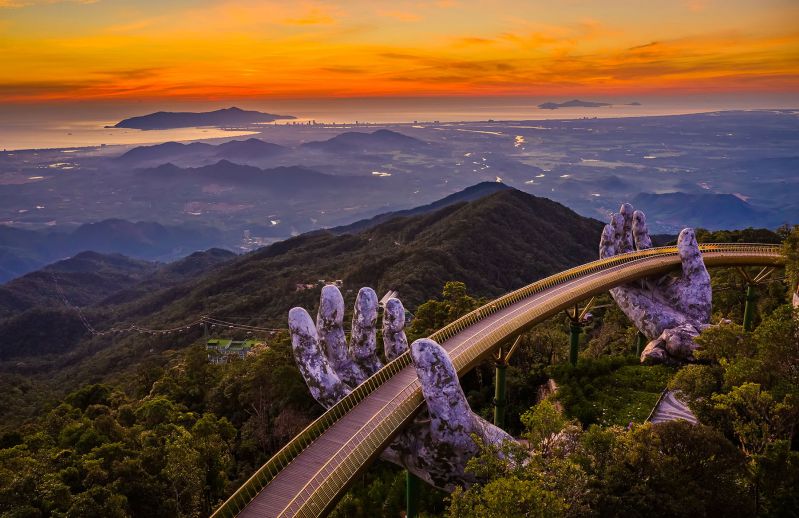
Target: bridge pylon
{"points": [[577, 319], [501, 365], [751, 295]]}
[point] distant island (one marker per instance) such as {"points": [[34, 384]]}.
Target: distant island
{"points": [[224, 117], [576, 103]]}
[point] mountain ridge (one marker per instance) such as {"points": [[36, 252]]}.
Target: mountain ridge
{"points": [[494, 244], [222, 117]]}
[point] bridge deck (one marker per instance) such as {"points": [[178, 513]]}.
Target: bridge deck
{"points": [[320, 471]]}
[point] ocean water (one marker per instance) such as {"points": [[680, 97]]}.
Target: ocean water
{"points": [[83, 124]]}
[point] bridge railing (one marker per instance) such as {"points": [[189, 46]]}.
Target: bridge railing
{"points": [[233, 505]]}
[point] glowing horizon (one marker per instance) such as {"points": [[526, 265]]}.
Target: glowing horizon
{"points": [[244, 49]]}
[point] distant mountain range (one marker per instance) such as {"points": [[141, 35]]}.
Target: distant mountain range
{"points": [[378, 141], [495, 243], [22, 251], [279, 181], [677, 210], [34, 311], [169, 151], [255, 150], [225, 117]]}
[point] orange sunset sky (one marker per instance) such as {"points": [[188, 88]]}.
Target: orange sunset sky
{"points": [[218, 49]]}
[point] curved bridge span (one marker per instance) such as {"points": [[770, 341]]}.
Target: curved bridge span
{"points": [[306, 477]]}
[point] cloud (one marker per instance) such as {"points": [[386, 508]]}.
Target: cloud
{"points": [[345, 70], [403, 16], [29, 3], [472, 40], [313, 16]]}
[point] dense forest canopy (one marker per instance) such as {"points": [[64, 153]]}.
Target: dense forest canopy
{"points": [[168, 434]]}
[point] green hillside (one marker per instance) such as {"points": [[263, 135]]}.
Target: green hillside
{"points": [[494, 244]]}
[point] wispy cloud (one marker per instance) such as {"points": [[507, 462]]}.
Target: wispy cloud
{"points": [[403, 16], [30, 3], [229, 48]]}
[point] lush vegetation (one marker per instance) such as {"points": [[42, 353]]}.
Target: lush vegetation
{"points": [[615, 390], [172, 442], [743, 460], [417, 255], [144, 426]]}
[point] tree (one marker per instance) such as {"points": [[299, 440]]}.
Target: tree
{"points": [[790, 247], [755, 418], [182, 470], [435, 314]]}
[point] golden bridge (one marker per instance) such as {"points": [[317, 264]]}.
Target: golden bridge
{"points": [[308, 475]]}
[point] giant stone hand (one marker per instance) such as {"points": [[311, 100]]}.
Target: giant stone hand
{"points": [[437, 445], [669, 310]]}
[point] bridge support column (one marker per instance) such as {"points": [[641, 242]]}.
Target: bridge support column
{"points": [[749, 308], [412, 487], [499, 393], [574, 341], [640, 343]]}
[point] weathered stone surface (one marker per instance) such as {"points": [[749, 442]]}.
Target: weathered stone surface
{"points": [[438, 444], [325, 385], [670, 311], [394, 340]]}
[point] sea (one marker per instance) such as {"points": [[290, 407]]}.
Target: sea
{"points": [[56, 125]]}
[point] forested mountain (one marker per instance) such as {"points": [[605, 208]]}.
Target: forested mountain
{"points": [[84, 279], [90, 424], [23, 251], [39, 311], [495, 244], [472, 193]]}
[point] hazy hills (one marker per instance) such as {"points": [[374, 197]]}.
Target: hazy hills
{"points": [[712, 211], [278, 181], [22, 251], [249, 149], [378, 141], [469, 194], [469, 241], [255, 150], [90, 277], [717, 170], [225, 117]]}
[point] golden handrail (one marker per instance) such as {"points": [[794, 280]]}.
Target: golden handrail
{"points": [[375, 434]]}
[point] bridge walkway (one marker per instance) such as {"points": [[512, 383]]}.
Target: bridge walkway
{"points": [[309, 474]]}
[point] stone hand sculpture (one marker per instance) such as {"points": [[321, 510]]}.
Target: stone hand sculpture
{"points": [[669, 310], [437, 445]]}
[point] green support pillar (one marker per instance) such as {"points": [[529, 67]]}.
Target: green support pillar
{"points": [[749, 308], [499, 394], [640, 343], [574, 341], [412, 487]]}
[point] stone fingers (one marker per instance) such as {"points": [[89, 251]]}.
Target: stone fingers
{"points": [[617, 223], [607, 245], [673, 346], [394, 340], [626, 237], [694, 292], [641, 231], [450, 413], [325, 385], [363, 339], [329, 324]]}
